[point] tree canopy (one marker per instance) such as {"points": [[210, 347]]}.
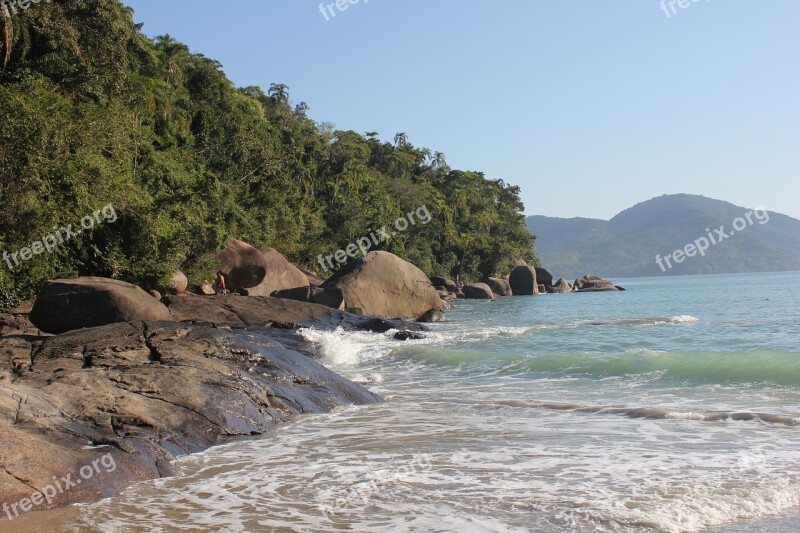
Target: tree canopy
{"points": [[93, 112]]}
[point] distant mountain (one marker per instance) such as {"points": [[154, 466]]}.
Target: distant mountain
{"points": [[627, 245]]}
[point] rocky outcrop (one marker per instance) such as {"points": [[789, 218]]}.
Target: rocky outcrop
{"points": [[544, 277], [256, 272], [478, 291], [234, 310], [329, 297], [561, 286], [136, 395], [448, 284], [591, 283], [499, 286], [68, 304], [523, 281], [383, 285]]}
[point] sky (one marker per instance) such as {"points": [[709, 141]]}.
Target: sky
{"points": [[588, 106]]}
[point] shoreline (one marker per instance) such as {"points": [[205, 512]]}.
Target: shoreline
{"points": [[159, 391]]}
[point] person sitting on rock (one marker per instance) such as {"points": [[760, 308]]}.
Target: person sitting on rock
{"points": [[221, 287]]}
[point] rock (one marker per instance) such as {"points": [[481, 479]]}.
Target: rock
{"points": [[329, 297], [177, 283], [432, 316], [478, 291], [408, 335], [544, 277], [523, 281], [383, 285], [562, 286], [258, 273], [132, 397], [155, 294], [207, 289], [589, 283], [67, 304], [499, 286], [300, 294], [313, 279], [620, 288], [258, 310], [542, 289], [446, 283], [17, 325]]}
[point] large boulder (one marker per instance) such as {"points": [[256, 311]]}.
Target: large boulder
{"points": [[256, 272], [383, 285], [544, 277], [499, 286], [447, 283], [177, 283], [478, 291], [523, 281], [561, 286], [589, 283], [67, 304]]}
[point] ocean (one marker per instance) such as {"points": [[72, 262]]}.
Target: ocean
{"points": [[673, 406]]}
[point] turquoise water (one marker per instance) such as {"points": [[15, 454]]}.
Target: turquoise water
{"points": [[674, 406]]}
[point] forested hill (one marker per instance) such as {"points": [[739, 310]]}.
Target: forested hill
{"points": [[627, 245], [94, 113]]}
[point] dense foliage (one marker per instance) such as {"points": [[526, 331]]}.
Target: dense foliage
{"points": [[92, 112]]}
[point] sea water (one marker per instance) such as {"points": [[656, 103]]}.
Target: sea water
{"points": [[673, 406]]}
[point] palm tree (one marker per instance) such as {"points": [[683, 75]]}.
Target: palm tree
{"points": [[400, 139], [279, 92]]}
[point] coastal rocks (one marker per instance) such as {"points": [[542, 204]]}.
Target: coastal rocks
{"points": [[591, 283], [478, 291], [68, 304], [206, 289], [523, 281], [544, 277], [177, 283], [499, 286], [448, 284], [561, 286], [329, 297], [233, 310], [408, 335], [258, 273], [383, 285], [140, 394]]}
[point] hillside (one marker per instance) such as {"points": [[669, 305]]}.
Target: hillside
{"points": [[97, 116], [627, 245]]}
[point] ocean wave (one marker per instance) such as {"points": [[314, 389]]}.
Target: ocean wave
{"points": [[659, 413], [764, 366], [645, 321]]}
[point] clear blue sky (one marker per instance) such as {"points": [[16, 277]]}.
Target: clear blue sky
{"points": [[589, 106]]}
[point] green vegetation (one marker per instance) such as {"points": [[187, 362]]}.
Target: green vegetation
{"points": [[93, 112]]}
